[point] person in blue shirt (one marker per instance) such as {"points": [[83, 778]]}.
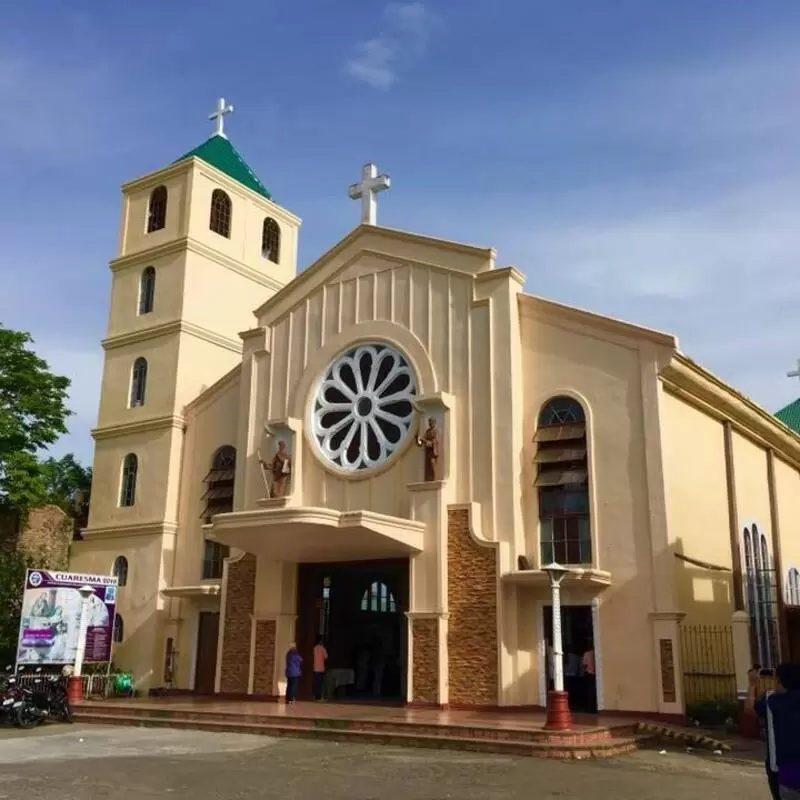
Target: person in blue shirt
{"points": [[780, 713], [294, 669]]}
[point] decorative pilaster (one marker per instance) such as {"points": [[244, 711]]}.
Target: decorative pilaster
{"points": [[238, 588]]}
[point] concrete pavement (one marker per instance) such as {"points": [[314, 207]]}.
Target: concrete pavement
{"points": [[98, 763]]}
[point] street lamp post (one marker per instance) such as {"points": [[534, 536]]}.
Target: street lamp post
{"points": [[75, 681], [558, 714]]}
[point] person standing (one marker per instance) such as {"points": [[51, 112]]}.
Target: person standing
{"points": [[294, 669], [320, 659], [780, 713]]}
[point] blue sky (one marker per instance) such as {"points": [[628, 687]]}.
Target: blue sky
{"points": [[639, 158]]}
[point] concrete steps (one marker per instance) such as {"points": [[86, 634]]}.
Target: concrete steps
{"points": [[517, 741]]}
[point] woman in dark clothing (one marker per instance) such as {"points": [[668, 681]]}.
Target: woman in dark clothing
{"points": [[294, 669]]}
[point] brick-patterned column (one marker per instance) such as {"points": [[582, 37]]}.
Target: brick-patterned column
{"points": [[472, 639], [264, 657], [240, 593], [425, 659]]}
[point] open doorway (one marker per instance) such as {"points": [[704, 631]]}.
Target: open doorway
{"points": [[358, 610], [577, 634]]}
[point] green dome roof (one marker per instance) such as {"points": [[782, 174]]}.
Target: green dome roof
{"points": [[221, 154], [790, 416]]}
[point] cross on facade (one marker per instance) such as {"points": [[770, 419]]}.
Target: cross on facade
{"points": [[794, 373], [366, 191], [218, 117]]}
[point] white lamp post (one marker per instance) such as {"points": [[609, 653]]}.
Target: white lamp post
{"points": [[75, 684], [558, 713]]}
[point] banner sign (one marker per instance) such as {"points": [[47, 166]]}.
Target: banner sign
{"points": [[51, 617]]}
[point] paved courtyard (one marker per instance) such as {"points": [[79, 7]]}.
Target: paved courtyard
{"points": [[97, 762]]}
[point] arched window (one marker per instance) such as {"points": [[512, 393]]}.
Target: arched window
{"points": [[793, 587], [219, 482], [138, 382], [157, 209], [147, 290], [119, 629], [562, 480], [760, 593], [221, 213], [130, 468], [378, 598], [120, 571], [271, 240]]}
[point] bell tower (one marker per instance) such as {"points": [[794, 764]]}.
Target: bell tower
{"points": [[202, 244]]}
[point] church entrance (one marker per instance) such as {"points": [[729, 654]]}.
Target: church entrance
{"points": [[205, 669], [357, 608], [577, 629]]}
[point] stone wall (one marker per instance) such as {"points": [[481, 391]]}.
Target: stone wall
{"points": [[264, 660], [45, 536], [472, 640], [425, 680], [240, 587]]}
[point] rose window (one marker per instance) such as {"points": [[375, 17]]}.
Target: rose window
{"points": [[363, 408]]}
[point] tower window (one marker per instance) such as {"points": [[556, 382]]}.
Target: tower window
{"points": [[138, 382], [147, 290], [118, 632], [221, 213], [219, 483], [157, 209], [130, 469], [271, 240], [562, 481], [120, 571]]}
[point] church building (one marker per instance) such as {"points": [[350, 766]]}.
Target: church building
{"points": [[384, 450]]}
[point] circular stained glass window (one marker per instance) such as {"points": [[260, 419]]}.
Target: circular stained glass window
{"points": [[363, 408]]}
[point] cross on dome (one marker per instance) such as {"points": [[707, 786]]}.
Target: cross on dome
{"points": [[794, 373], [366, 191], [218, 117]]}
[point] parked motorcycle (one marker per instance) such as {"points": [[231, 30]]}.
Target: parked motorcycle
{"points": [[12, 698], [44, 700]]}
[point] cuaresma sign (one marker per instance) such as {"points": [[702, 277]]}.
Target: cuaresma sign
{"points": [[51, 617]]}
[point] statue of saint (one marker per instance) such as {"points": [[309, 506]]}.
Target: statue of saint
{"points": [[430, 441], [281, 470]]}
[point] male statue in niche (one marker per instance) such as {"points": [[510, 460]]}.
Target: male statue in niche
{"points": [[430, 441], [281, 470]]}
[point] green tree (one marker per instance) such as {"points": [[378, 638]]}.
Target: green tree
{"points": [[66, 482], [33, 415], [12, 579]]}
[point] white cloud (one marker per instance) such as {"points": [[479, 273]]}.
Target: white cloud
{"points": [[378, 60]]}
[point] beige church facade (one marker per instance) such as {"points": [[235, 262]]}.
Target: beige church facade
{"points": [[386, 448]]}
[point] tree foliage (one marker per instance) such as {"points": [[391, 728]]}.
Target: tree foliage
{"points": [[33, 414], [12, 579], [66, 482]]}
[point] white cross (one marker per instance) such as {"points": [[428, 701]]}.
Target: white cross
{"points": [[371, 184], [218, 117], [794, 373]]}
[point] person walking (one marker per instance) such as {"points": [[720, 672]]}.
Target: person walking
{"points": [[320, 659], [780, 713], [294, 669]]}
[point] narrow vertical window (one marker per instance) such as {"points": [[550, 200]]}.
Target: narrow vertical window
{"points": [[147, 290], [218, 496], [121, 570], [157, 209], [562, 481], [119, 629], [221, 213], [271, 240], [138, 382], [130, 469]]}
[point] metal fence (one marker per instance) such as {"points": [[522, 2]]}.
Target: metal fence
{"points": [[709, 670], [94, 686]]}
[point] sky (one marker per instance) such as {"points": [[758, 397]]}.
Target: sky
{"points": [[638, 158]]}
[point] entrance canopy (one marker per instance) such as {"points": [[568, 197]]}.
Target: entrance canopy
{"points": [[308, 534]]}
